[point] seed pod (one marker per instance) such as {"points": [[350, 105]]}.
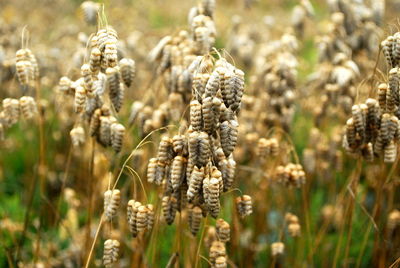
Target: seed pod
{"points": [[169, 208], [141, 219], [95, 60], [390, 152], [87, 80], [294, 229], [179, 143], [195, 216], [100, 84], [223, 230], [128, 70], [177, 172], [228, 174], [368, 152], [263, 147], [228, 134], [11, 111], [95, 123], [111, 252], [113, 81], [393, 220], [372, 119], [80, 99], [23, 67], [382, 92], [105, 131], [244, 205], [117, 136], [111, 52], [351, 134], [77, 136], [151, 170], [384, 129], [112, 199], [198, 85], [212, 85], [212, 201], [65, 84], [35, 67], [358, 120], [195, 182], [236, 87], [28, 106], [165, 154], [150, 216], [387, 50], [217, 249], [195, 115], [199, 148], [133, 207], [394, 85], [277, 248]]}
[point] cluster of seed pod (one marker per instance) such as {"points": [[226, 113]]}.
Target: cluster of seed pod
{"points": [[102, 74], [198, 166], [274, 85], [373, 129], [13, 108], [244, 205], [111, 252], [290, 175], [223, 230], [140, 217], [267, 147], [27, 68], [112, 199], [293, 225]]}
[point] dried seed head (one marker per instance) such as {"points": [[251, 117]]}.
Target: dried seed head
{"points": [[228, 134], [128, 70], [393, 220], [28, 106], [111, 252], [195, 216], [177, 172], [112, 200], [223, 230], [169, 208], [244, 205], [117, 136], [141, 219], [150, 216], [217, 250], [199, 148], [195, 182], [151, 170], [11, 111], [87, 80], [77, 136], [80, 99], [132, 210], [390, 152], [95, 60], [196, 120], [179, 143], [165, 151], [65, 84]]}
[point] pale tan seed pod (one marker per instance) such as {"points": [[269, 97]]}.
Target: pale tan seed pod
{"points": [[358, 120], [215, 173], [111, 252], [169, 208], [202, 39], [112, 200], [244, 205], [95, 123], [277, 248], [151, 170], [351, 134], [212, 201], [223, 230], [220, 262], [387, 45], [77, 136], [23, 67], [177, 171], [65, 84], [80, 99], [195, 216], [393, 125], [213, 84], [217, 249], [132, 210], [117, 136], [390, 152], [128, 70], [165, 151], [263, 147], [150, 216], [236, 87], [100, 84], [28, 107], [141, 219], [199, 148], [35, 66], [274, 147], [179, 143], [382, 89], [87, 80], [111, 52], [198, 85], [195, 182], [384, 129], [11, 111], [90, 10], [196, 120], [228, 133], [95, 61], [393, 82], [294, 229], [105, 130], [228, 173]]}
